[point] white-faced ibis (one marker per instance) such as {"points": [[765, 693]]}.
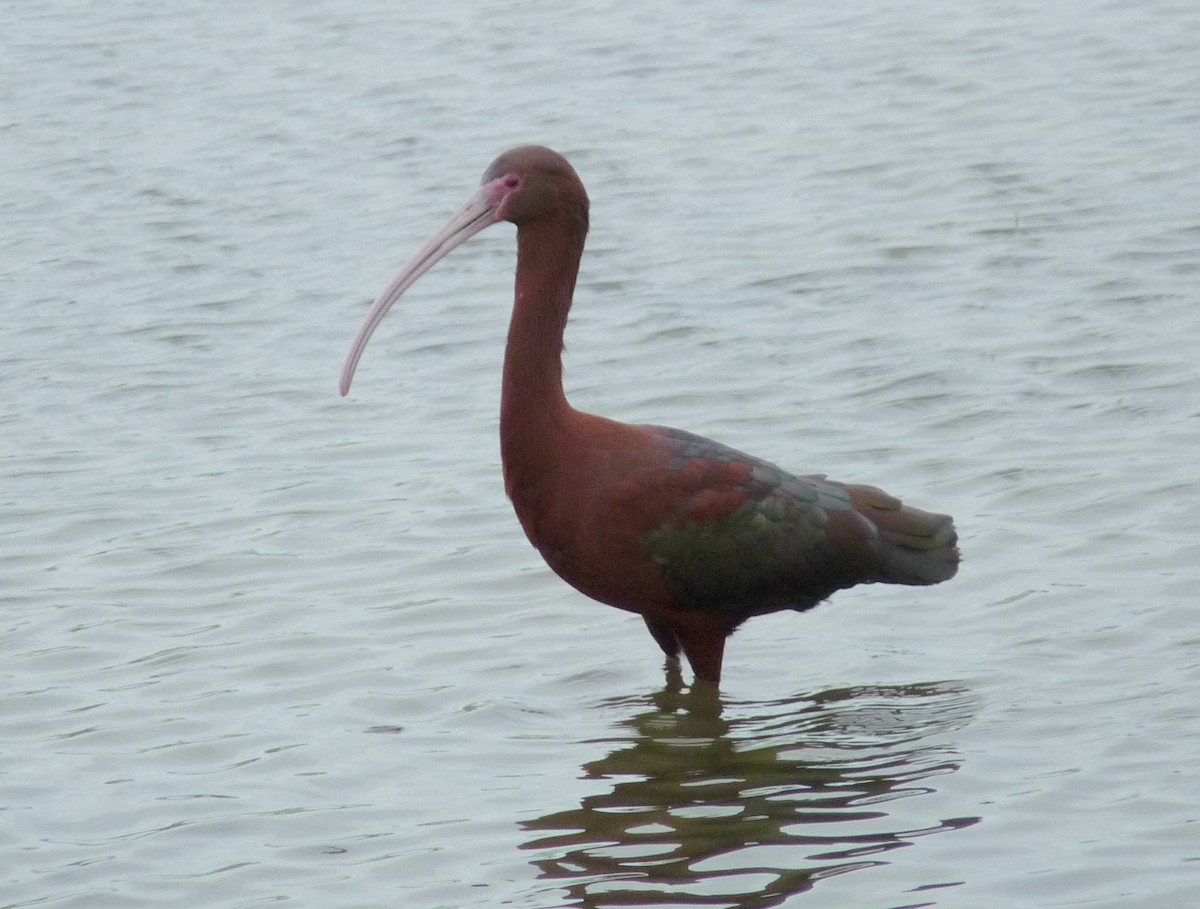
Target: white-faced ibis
{"points": [[691, 535]]}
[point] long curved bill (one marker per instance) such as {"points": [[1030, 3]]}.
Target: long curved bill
{"points": [[477, 214]]}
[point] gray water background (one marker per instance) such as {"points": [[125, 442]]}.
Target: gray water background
{"points": [[263, 645]]}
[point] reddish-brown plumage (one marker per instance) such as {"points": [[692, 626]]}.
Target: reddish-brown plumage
{"points": [[693, 536]]}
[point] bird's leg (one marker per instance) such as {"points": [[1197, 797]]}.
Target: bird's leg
{"points": [[706, 657], [664, 636], [703, 641]]}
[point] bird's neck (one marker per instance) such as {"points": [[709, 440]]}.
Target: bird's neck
{"points": [[534, 412]]}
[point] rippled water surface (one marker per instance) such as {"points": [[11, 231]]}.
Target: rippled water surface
{"points": [[261, 644]]}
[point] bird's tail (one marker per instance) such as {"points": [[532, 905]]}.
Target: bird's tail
{"points": [[916, 547]]}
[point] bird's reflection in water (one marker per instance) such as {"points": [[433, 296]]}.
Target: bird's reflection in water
{"points": [[727, 803]]}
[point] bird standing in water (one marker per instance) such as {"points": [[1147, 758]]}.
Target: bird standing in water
{"points": [[693, 536]]}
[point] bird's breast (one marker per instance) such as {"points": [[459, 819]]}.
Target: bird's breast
{"points": [[589, 511]]}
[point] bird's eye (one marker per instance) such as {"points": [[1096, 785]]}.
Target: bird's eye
{"points": [[512, 181]]}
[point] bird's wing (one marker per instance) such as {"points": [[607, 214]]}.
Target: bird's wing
{"points": [[746, 537]]}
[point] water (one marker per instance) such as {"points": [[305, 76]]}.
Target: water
{"points": [[262, 644]]}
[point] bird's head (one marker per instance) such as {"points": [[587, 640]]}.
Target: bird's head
{"points": [[530, 185]]}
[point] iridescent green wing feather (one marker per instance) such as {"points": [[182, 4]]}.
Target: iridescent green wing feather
{"points": [[747, 537]]}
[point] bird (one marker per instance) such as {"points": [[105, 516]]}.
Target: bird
{"points": [[690, 534]]}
